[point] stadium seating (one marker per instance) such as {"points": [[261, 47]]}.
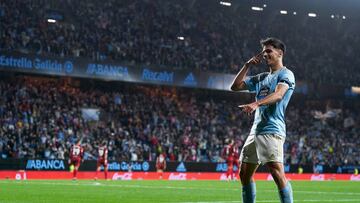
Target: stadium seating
{"points": [[41, 118], [191, 35]]}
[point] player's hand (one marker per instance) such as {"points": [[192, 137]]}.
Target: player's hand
{"points": [[255, 60], [249, 108]]}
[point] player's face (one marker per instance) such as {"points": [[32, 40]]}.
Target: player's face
{"points": [[271, 55]]}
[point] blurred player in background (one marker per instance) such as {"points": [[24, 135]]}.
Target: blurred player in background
{"points": [[160, 165], [228, 155], [236, 162], [102, 160], [264, 145], [76, 155]]}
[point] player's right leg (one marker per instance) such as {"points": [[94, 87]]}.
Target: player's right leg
{"points": [[247, 173], [248, 184], [284, 186], [249, 163]]}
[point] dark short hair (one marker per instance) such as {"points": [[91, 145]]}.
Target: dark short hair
{"points": [[276, 43]]}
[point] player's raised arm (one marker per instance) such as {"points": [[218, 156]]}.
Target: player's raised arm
{"points": [[239, 81]]}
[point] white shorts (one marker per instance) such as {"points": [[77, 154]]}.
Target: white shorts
{"points": [[260, 149]]}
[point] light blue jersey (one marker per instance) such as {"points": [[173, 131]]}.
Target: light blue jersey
{"points": [[270, 119]]}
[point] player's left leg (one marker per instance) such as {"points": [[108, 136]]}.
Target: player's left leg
{"points": [[285, 191], [96, 173], [270, 151], [237, 173], [98, 164], [76, 168], [160, 172], [106, 171], [229, 172]]}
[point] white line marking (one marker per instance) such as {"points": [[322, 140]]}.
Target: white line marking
{"points": [[304, 200], [314, 192], [193, 188], [186, 188]]}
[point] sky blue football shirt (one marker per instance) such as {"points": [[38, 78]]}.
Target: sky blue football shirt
{"points": [[270, 119]]}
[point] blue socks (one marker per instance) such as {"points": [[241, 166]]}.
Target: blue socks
{"points": [[286, 195], [249, 193]]}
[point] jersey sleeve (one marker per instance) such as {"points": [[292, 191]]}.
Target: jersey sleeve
{"points": [[251, 83], [287, 78]]}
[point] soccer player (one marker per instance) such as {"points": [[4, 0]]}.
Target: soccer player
{"points": [[264, 145], [102, 160], [228, 155], [160, 165], [76, 155], [236, 162]]}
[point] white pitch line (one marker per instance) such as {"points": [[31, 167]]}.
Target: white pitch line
{"points": [[178, 188], [314, 192], [128, 186], [305, 200], [329, 200], [221, 189], [216, 202]]}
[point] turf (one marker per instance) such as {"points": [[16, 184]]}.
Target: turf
{"points": [[38, 191]]}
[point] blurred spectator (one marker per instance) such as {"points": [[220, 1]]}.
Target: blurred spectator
{"points": [[41, 118], [149, 33]]}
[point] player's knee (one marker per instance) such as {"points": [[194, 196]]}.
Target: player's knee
{"points": [[277, 173]]}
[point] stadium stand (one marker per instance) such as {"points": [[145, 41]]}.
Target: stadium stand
{"points": [[41, 118], [148, 32]]}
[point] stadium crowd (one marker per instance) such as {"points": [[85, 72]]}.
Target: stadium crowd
{"points": [[198, 35], [42, 118]]}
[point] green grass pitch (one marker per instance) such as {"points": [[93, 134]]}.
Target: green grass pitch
{"points": [[86, 191]]}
